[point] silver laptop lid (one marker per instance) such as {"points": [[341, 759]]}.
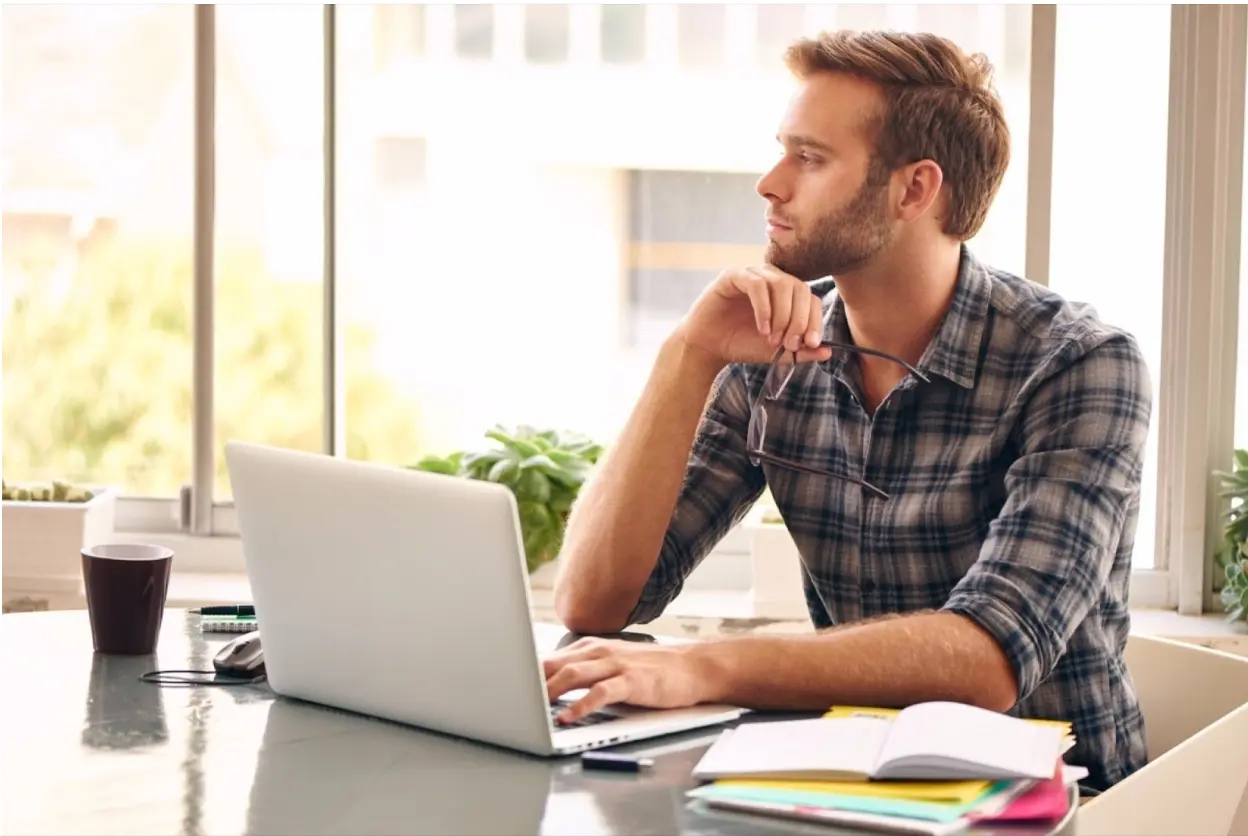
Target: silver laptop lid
{"points": [[395, 593]]}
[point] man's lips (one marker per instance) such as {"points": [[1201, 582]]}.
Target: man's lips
{"points": [[774, 226]]}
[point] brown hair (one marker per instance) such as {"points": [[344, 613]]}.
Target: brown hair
{"points": [[939, 105]]}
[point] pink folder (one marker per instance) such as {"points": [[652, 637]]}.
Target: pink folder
{"points": [[1048, 799]]}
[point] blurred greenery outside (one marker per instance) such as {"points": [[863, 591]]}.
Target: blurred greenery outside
{"points": [[98, 368]]}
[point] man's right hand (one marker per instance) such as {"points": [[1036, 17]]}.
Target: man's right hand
{"points": [[747, 312]]}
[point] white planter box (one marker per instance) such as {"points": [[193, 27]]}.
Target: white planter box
{"points": [[43, 541], [777, 571]]}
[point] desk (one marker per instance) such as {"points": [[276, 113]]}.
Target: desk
{"points": [[90, 749]]}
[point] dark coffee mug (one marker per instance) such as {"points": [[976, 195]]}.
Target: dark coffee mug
{"points": [[127, 585]]}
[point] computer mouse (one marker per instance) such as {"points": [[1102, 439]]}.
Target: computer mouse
{"points": [[241, 657]]}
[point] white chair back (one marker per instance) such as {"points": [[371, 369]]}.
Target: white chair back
{"points": [[1195, 706]]}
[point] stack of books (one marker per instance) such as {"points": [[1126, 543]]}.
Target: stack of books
{"points": [[935, 768]]}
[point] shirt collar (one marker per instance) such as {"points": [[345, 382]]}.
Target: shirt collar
{"points": [[954, 349]]}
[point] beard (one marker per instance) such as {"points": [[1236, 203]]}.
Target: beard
{"points": [[841, 241]]}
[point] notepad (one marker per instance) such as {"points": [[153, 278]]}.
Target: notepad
{"points": [[932, 741], [228, 624]]}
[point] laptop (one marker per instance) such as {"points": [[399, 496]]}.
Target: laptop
{"points": [[404, 595]]}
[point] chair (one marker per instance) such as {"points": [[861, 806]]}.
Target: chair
{"points": [[1195, 706]]}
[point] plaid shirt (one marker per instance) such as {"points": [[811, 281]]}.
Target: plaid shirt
{"points": [[1014, 490]]}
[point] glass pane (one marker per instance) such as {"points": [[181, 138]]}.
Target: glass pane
{"points": [[531, 280], [98, 183], [1110, 252], [269, 229]]}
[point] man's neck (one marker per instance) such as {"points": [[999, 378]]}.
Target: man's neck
{"points": [[897, 302]]}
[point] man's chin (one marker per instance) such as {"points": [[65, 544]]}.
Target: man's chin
{"points": [[777, 258], [797, 271]]}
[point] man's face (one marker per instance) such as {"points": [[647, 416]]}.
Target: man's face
{"points": [[828, 203]]}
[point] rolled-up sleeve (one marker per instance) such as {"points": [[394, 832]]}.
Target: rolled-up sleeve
{"points": [[719, 488], [1069, 493]]}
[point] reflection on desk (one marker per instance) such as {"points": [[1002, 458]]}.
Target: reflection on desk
{"points": [[91, 749]]}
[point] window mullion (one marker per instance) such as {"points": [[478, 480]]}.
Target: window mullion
{"points": [[1201, 286], [202, 467], [334, 404], [1040, 142]]}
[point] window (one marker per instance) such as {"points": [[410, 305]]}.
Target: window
{"points": [[97, 231], [268, 295], [528, 280], [1108, 230]]}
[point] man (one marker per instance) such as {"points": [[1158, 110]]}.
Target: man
{"points": [[964, 498]]}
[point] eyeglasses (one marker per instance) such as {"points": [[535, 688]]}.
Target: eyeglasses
{"points": [[778, 376]]}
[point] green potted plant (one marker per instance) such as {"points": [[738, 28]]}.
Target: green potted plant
{"points": [[543, 468], [1232, 556]]}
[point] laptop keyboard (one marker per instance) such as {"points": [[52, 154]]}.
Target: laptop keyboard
{"points": [[591, 719]]}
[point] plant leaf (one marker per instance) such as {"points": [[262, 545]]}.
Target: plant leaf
{"points": [[543, 462], [533, 485], [535, 514], [437, 464], [561, 500], [499, 470], [519, 446]]}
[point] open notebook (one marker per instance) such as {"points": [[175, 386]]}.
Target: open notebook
{"points": [[933, 741]]}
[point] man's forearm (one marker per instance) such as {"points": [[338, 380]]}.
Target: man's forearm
{"points": [[892, 662], [616, 529]]}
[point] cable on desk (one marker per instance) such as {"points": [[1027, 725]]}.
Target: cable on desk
{"points": [[192, 678]]}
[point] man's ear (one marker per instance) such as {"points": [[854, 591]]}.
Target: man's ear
{"points": [[920, 187]]}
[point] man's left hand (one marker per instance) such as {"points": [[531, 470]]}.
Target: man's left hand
{"points": [[614, 671]]}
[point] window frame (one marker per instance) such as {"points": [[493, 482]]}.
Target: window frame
{"points": [[1200, 291]]}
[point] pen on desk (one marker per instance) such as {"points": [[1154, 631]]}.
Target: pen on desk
{"points": [[612, 762], [239, 609]]}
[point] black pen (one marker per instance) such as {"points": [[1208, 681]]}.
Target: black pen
{"points": [[240, 609], [612, 762]]}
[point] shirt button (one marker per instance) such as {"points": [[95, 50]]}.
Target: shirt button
{"points": [[868, 585]]}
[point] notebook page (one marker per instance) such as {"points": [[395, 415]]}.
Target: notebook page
{"points": [[1000, 744], [796, 747]]}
